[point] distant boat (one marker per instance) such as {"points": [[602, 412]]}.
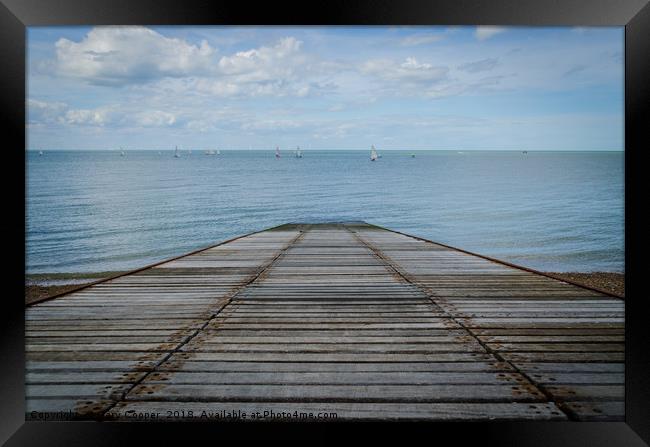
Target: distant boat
{"points": [[176, 154], [373, 154], [277, 152], [210, 152], [40, 152], [298, 152], [525, 152], [218, 152], [412, 155], [122, 153]]}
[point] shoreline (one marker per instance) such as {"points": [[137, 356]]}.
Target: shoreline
{"points": [[45, 285], [39, 286], [608, 281]]}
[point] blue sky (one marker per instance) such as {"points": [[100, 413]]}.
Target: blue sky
{"points": [[473, 88]]}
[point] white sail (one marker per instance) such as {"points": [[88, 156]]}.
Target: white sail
{"points": [[122, 153], [298, 152], [277, 152], [176, 154], [373, 154]]}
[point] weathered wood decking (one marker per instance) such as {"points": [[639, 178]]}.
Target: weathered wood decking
{"points": [[347, 318]]}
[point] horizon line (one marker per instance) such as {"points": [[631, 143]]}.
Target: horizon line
{"points": [[330, 149]]}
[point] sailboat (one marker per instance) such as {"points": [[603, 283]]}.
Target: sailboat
{"points": [[176, 154], [122, 153], [298, 152], [40, 152], [277, 152], [373, 154]]}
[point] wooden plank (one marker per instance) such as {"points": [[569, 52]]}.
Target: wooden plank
{"points": [[596, 411], [340, 393], [78, 391], [74, 355], [607, 357], [572, 367], [254, 366], [385, 348], [384, 339], [90, 365], [84, 377], [557, 347], [580, 378], [321, 378], [587, 392], [508, 339], [334, 357], [324, 332]]}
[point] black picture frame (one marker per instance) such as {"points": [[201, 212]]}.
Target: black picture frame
{"points": [[16, 15]]}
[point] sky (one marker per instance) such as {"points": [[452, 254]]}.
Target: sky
{"points": [[334, 87]]}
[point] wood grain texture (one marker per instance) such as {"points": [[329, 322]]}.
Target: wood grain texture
{"points": [[343, 319]]}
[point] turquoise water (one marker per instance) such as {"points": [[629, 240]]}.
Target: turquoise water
{"points": [[97, 211]]}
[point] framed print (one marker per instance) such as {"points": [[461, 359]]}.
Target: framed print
{"points": [[367, 212]]}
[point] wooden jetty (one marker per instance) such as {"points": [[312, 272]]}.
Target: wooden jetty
{"points": [[328, 321]]}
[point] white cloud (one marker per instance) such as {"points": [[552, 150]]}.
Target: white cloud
{"points": [[409, 71], [234, 87], [98, 117], [41, 112], [114, 55], [44, 112], [277, 70], [154, 118], [139, 55], [421, 39], [262, 63], [485, 32]]}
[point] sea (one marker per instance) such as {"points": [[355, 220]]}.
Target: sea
{"points": [[98, 211]]}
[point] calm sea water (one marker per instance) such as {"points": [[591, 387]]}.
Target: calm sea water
{"points": [[97, 211]]}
